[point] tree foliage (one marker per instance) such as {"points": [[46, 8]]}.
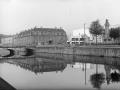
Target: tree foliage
{"points": [[114, 33], [95, 28]]}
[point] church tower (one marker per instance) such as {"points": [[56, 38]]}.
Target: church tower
{"points": [[107, 25]]}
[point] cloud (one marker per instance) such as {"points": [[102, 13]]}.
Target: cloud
{"points": [[69, 14], [78, 32]]}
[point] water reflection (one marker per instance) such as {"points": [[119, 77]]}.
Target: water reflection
{"points": [[115, 76], [90, 66], [112, 73], [38, 65], [97, 80]]}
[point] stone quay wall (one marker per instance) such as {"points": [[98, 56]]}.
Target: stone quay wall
{"points": [[109, 51]]}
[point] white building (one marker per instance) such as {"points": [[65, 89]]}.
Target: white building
{"points": [[99, 39], [78, 37]]}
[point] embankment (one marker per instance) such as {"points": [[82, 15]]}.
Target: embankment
{"points": [[109, 51]]}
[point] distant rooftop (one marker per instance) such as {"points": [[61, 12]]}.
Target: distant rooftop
{"points": [[2, 35], [43, 29]]}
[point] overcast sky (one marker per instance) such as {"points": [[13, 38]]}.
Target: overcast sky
{"points": [[18, 15]]}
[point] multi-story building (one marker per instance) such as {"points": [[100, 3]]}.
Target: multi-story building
{"points": [[7, 40], [79, 40], [79, 37], [3, 36], [37, 36]]}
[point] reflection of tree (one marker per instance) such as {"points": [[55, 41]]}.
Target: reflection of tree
{"points": [[97, 80], [115, 77], [96, 68]]}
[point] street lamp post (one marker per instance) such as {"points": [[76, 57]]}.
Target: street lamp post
{"points": [[84, 34]]}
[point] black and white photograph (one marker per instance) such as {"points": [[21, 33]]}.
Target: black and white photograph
{"points": [[59, 45]]}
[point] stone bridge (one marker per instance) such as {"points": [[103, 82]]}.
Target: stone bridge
{"points": [[16, 51]]}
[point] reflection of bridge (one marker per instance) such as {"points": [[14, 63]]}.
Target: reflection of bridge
{"points": [[37, 66]]}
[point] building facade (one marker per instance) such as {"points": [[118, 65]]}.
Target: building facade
{"points": [[79, 40], [7, 40], [99, 39], [37, 36]]}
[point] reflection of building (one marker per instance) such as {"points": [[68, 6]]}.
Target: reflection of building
{"points": [[40, 66], [37, 36], [112, 72], [82, 66]]}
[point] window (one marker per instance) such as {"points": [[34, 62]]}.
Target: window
{"points": [[50, 41], [76, 39], [73, 39], [55, 33], [109, 39], [62, 33], [104, 39], [39, 33], [82, 39], [58, 34]]}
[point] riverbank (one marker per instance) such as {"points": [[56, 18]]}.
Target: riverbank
{"points": [[5, 85], [100, 50], [86, 50]]}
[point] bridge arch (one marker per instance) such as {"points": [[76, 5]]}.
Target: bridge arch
{"points": [[28, 52], [12, 53]]}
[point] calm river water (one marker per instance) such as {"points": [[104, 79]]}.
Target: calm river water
{"points": [[62, 72]]}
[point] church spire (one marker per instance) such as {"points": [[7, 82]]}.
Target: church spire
{"points": [[107, 25]]}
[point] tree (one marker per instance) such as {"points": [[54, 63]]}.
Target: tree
{"points": [[96, 29], [114, 33]]}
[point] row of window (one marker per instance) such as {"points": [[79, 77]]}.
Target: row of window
{"points": [[78, 39], [40, 33]]}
